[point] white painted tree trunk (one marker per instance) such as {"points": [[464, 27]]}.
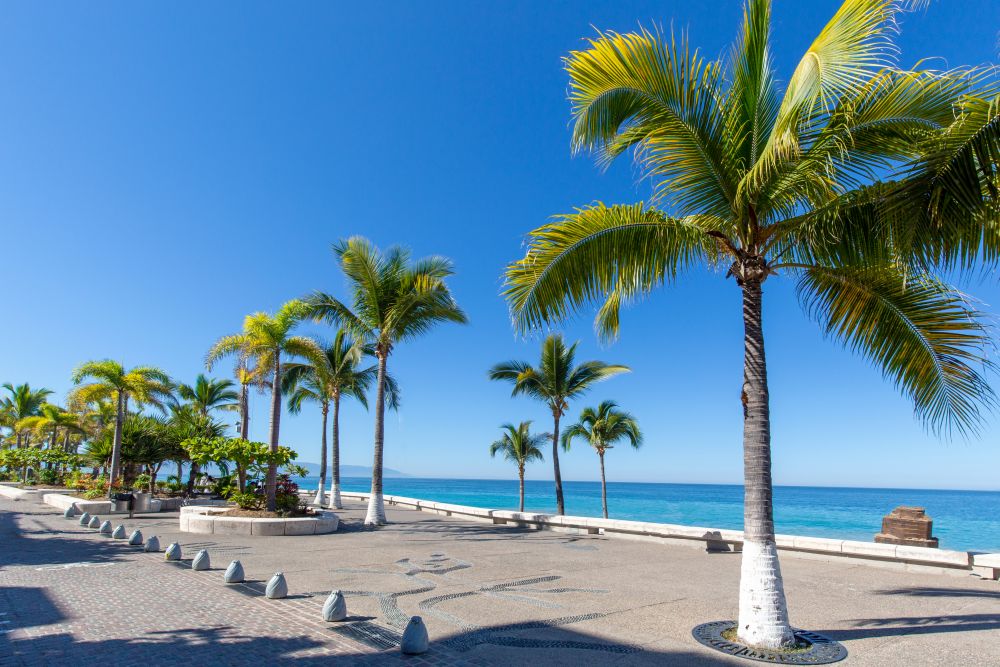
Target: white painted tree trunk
{"points": [[376, 511], [335, 500], [320, 498], [763, 617]]}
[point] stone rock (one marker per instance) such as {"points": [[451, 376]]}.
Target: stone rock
{"points": [[106, 528], [152, 544], [335, 607], [201, 561], [95, 522], [119, 533], [415, 639], [135, 539], [173, 552], [234, 573], [70, 512], [277, 587], [84, 518]]}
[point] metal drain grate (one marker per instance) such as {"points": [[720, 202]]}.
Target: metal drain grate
{"points": [[822, 650], [369, 634]]}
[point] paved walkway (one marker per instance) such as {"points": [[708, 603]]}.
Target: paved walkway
{"points": [[490, 595]]}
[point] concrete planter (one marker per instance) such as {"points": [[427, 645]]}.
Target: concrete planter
{"points": [[208, 521]]}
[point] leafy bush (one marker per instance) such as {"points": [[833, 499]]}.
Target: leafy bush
{"points": [[286, 494], [76, 480], [48, 476], [247, 501], [92, 494], [141, 482]]}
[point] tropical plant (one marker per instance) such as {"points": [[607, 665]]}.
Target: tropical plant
{"points": [[48, 421], [555, 382], [766, 182], [392, 300], [521, 447], [338, 376], [22, 402], [264, 339], [602, 428], [145, 385], [245, 456], [204, 396]]}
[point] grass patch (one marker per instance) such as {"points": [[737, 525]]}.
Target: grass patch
{"points": [[800, 646]]}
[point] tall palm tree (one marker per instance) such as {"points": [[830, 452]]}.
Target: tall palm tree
{"points": [[602, 428], [555, 382], [22, 402], [767, 182], [339, 376], [520, 446], [264, 339], [145, 385], [392, 300], [247, 377]]}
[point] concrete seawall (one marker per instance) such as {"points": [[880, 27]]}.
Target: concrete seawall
{"points": [[713, 539]]}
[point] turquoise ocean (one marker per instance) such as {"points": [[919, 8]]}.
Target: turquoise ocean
{"points": [[963, 520]]}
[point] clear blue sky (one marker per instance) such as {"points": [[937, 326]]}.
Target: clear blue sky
{"points": [[167, 168]]}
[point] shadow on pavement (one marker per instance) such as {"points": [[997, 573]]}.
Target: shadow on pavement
{"points": [[915, 625], [54, 549], [930, 592]]}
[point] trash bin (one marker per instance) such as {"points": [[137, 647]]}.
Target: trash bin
{"points": [[122, 502]]}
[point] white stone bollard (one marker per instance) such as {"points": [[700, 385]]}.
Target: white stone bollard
{"points": [[335, 607], [70, 512], [201, 561], [152, 544], [277, 587], [95, 522], [84, 519], [119, 533], [415, 639], [106, 528], [173, 552], [234, 573], [135, 539]]}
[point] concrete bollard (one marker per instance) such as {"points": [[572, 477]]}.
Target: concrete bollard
{"points": [[119, 533], [173, 552], [152, 544], [135, 539], [106, 528], [70, 512], [335, 607], [234, 573], [414, 639], [95, 522], [201, 561], [277, 587], [84, 519]]}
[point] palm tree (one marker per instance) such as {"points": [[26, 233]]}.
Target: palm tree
{"points": [[264, 339], [247, 377], [602, 428], [519, 445], [555, 382], [765, 182], [205, 395], [339, 376], [393, 299], [145, 385], [22, 402]]}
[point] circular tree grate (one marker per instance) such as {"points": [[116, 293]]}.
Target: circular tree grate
{"points": [[821, 651]]}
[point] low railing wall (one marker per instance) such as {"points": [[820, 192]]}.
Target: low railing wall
{"points": [[986, 565]]}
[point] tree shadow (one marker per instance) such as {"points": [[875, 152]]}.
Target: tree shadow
{"points": [[53, 550], [931, 592], [915, 625]]}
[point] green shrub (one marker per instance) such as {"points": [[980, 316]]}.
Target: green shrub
{"points": [[141, 482], [48, 476], [247, 501]]}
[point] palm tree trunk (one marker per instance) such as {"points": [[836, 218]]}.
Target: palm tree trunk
{"points": [[244, 412], [520, 477], [116, 447], [192, 475], [763, 616], [320, 495], [560, 507], [272, 468], [335, 499], [376, 509], [604, 487]]}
